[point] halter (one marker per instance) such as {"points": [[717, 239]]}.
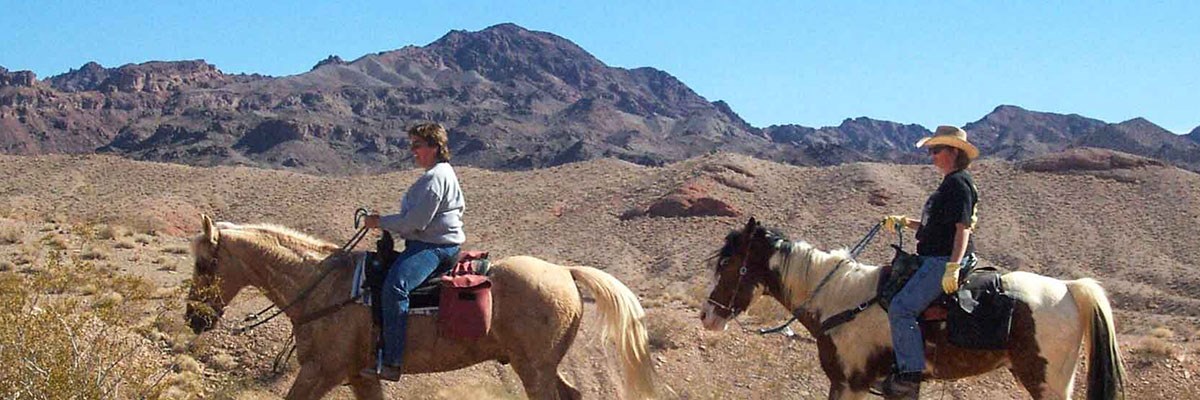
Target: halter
{"points": [[742, 272]]}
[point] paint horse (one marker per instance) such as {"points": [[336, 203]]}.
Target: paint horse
{"points": [[1051, 320], [537, 311]]}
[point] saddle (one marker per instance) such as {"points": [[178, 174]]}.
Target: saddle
{"points": [[458, 291], [977, 316]]}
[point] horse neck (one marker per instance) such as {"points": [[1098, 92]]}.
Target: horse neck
{"points": [[279, 273], [802, 271]]}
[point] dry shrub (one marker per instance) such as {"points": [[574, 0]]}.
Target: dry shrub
{"points": [[54, 241], [147, 224], [1162, 332], [222, 361], [1156, 347], [90, 252], [53, 351], [662, 331], [766, 309], [176, 249], [10, 233], [6, 266], [108, 300], [143, 239], [124, 243], [110, 232], [27, 254]]}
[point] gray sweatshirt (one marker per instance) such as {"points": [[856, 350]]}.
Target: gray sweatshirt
{"points": [[431, 211]]}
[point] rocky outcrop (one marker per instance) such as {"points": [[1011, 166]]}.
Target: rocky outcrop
{"points": [[17, 78], [1087, 159], [162, 77], [691, 200]]}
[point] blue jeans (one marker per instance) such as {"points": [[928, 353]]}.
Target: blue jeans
{"points": [[413, 266], [922, 289]]}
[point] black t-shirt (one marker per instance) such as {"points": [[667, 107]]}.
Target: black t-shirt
{"points": [[954, 202]]}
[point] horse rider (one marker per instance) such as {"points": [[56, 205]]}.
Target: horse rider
{"points": [[943, 244], [430, 221]]}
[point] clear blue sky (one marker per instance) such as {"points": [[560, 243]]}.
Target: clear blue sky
{"points": [[813, 64]]}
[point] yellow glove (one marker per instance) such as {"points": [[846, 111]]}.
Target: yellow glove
{"points": [[890, 222], [950, 279]]}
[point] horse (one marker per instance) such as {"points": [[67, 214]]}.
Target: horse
{"points": [[537, 312], [1051, 319]]}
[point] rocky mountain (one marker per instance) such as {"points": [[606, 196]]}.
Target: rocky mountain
{"points": [[1194, 136], [512, 99]]}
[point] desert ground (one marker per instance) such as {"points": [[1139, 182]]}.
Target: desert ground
{"points": [[94, 263]]}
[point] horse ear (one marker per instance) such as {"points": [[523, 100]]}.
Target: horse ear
{"points": [[210, 232], [751, 224]]}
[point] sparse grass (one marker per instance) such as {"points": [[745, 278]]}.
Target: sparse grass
{"points": [[124, 243], [1156, 347], [10, 234], [6, 266], [222, 361], [176, 249], [54, 241], [143, 239]]}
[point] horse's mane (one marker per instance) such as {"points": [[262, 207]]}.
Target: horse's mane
{"points": [[845, 287], [279, 242]]}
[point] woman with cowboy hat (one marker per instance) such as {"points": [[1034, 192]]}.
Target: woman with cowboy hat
{"points": [[943, 244]]}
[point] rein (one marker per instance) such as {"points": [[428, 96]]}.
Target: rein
{"points": [[326, 311], [742, 272], [839, 318]]}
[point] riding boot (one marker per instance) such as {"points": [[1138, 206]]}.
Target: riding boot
{"points": [[899, 385], [385, 372]]}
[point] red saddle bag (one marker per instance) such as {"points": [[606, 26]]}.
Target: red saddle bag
{"points": [[465, 307]]}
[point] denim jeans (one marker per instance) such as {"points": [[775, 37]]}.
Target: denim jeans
{"points": [[922, 289], [413, 266]]}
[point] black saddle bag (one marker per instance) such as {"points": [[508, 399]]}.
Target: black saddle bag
{"points": [[981, 316], [377, 268]]}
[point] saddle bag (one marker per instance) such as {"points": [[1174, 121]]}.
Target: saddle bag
{"points": [[466, 299], [981, 316]]}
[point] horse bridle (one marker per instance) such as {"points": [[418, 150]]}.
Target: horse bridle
{"points": [[743, 272]]}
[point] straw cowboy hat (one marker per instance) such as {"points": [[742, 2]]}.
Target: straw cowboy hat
{"points": [[950, 136]]}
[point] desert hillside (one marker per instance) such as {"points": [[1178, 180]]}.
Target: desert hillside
{"points": [[1131, 225]]}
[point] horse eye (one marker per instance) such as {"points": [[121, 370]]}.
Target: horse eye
{"points": [[723, 262]]}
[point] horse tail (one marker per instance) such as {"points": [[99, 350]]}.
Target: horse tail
{"points": [[1106, 375], [622, 315]]}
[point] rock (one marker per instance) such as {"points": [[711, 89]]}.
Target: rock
{"points": [[691, 200]]}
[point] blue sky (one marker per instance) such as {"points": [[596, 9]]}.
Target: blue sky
{"points": [[807, 63]]}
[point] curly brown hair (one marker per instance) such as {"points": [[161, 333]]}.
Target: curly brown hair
{"points": [[434, 135]]}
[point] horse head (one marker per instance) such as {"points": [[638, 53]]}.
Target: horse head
{"points": [[741, 273], [210, 291]]}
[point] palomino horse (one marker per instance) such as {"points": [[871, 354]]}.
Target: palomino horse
{"points": [[1051, 319], [537, 311]]}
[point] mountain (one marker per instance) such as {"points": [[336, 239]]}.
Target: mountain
{"points": [[1141, 137], [512, 99], [1013, 133], [1194, 136]]}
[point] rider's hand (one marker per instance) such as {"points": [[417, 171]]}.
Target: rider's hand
{"points": [[892, 221], [950, 279], [371, 221]]}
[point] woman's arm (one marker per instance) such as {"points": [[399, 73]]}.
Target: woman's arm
{"points": [[962, 236]]}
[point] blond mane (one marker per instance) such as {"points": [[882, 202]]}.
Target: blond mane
{"points": [[851, 284], [280, 243]]}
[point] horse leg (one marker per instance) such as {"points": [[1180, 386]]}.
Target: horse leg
{"points": [[312, 383], [842, 391], [366, 388], [540, 381]]}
